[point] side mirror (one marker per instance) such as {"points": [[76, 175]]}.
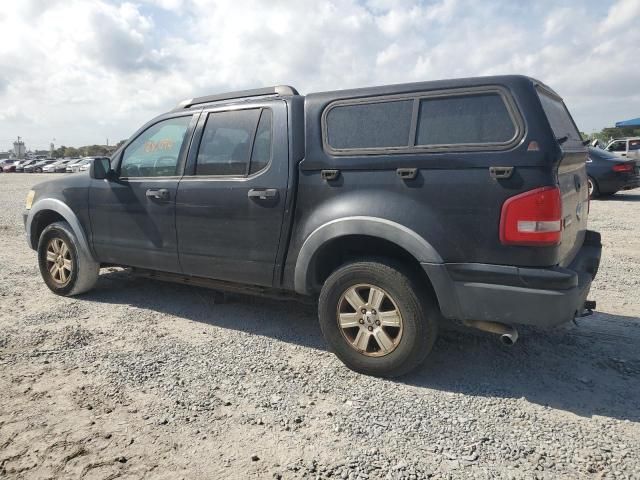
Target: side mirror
{"points": [[101, 169]]}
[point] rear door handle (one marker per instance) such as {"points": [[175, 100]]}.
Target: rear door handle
{"points": [[262, 193], [158, 194]]}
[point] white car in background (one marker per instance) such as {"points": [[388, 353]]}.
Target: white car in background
{"points": [[84, 164], [625, 147], [51, 168], [74, 165]]}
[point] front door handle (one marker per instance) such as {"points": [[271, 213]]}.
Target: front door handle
{"points": [[158, 194], [262, 193]]}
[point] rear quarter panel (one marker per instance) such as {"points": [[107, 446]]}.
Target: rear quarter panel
{"points": [[454, 204]]}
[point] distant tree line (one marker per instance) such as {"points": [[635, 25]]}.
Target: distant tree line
{"points": [[609, 133], [86, 151]]}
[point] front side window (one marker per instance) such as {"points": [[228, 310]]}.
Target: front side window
{"points": [[156, 151], [226, 142], [617, 147], [464, 119]]}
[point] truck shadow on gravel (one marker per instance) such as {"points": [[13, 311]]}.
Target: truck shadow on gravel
{"points": [[589, 369], [620, 198]]}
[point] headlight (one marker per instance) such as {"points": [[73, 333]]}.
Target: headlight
{"points": [[29, 201]]}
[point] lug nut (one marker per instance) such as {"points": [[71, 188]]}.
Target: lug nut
{"points": [[370, 329], [363, 310], [378, 322], [373, 311], [361, 321]]}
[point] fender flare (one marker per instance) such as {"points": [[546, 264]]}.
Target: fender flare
{"points": [[65, 212], [393, 232]]}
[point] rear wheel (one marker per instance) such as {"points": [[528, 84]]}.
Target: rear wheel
{"points": [[65, 269], [376, 319], [593, 188]]}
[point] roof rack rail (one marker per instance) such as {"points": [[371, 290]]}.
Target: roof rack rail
{"points": [[256, 92]]}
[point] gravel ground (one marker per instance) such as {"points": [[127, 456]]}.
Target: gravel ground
{"points": [[142, 379]]}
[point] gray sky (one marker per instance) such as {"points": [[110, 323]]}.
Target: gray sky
{"points": [[81, 71]]}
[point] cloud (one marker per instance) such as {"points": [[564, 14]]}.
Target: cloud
{"points": [[84, 70]]}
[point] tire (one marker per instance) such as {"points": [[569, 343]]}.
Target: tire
{"points": [[411, 342], [59, 246], [594, 191]]}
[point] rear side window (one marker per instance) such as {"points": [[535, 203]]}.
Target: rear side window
{"points": [[634, 144], [235, 143], [464, 120], [559, 118], [261, 153], [226, 142], [476, 118], [370, 125]]}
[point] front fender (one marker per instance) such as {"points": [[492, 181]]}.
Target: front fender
{"points": [[65, 212], [393, 232]]}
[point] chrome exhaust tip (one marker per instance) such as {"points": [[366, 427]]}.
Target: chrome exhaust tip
{"points": [[508, 334], [509, 338]]}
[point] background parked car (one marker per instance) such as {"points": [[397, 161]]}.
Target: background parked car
{"points": [[75, 165], [6, 163], [62, 168], [609, 173], [83, 165], [38, 166], [625, 147], [24, 164], [51, 168], [86, 166]]}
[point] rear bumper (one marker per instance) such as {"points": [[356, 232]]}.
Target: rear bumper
{"points": [[615, 183], [544, 297]]}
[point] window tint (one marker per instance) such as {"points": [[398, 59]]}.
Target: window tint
{"points": [[634, 144], [261, 153], [155, 152], [559, 118], [226, 143], [464, 119], [370, 125]]}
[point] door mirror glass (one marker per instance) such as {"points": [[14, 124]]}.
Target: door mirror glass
{"points": [[100, 169]]}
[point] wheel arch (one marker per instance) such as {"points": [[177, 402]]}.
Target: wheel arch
{"points": [[48, 210], [358, 237]]}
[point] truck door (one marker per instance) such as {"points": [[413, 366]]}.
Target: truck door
{"points": [[133, 216], [230, 202]]}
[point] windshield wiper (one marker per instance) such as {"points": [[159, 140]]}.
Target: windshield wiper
{"points": [[561, 140]]}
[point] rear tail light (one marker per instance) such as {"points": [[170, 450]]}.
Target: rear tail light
{"points": [[532, 218], [623, 167]]}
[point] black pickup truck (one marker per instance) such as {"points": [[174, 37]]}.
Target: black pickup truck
{"points": [[396, 207]]}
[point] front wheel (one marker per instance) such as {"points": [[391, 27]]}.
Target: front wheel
{"points": [[64, 267], [377, 319]]}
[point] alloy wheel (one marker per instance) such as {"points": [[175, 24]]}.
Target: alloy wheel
{"points": [[59, 261], [370, 320]]}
